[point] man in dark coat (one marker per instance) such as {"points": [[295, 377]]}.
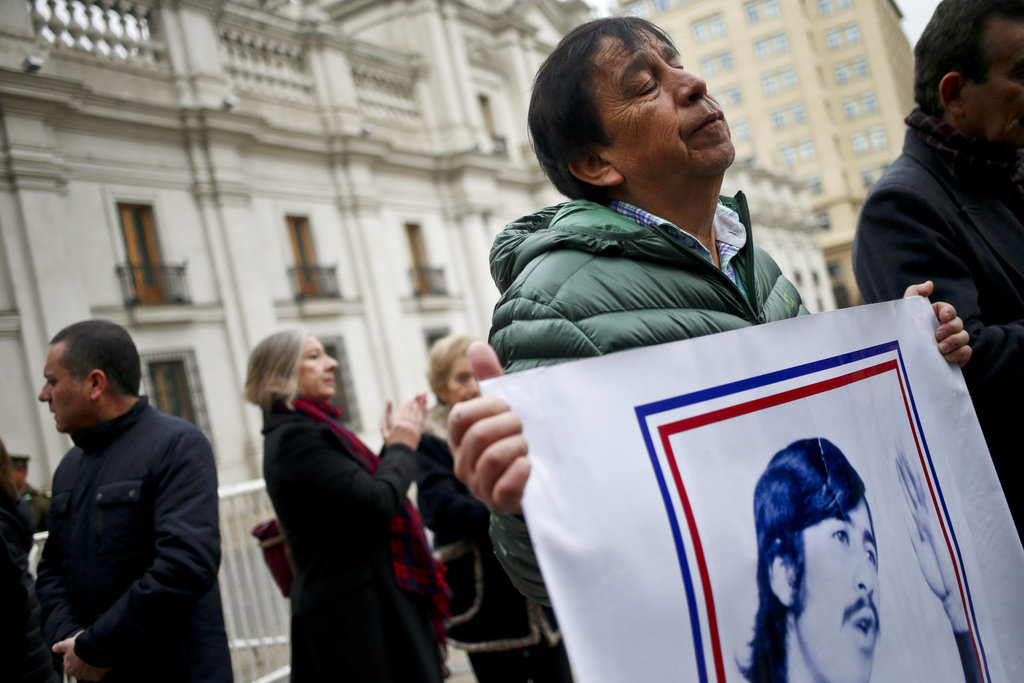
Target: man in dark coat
{"points": [[38, 502], [128, 576], [951, 208]]}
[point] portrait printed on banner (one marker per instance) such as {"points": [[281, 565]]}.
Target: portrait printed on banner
{"points": [[811, 532]]}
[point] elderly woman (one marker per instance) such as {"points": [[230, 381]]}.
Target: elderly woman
{"points": [[368, 600], [508, 638]]}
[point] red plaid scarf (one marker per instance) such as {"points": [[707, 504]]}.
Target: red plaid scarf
{"points": [[973, 161], [416, 570]]}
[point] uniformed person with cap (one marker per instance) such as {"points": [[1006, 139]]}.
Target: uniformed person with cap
{"points": [[38, 501]]}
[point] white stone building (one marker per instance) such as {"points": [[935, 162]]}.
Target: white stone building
{"points": [[206, 172]]}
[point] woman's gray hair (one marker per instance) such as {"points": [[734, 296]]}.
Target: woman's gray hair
{"points": [[273, 375]]}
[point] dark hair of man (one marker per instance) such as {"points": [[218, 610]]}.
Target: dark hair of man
{"points": [[101, 345], [563, 119], [806, 482], [954, 41]]}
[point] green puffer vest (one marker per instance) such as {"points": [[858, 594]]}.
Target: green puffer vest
{"points": [[579, 280]]}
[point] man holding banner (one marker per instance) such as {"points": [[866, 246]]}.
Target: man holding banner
{"points": [[646, 252]]}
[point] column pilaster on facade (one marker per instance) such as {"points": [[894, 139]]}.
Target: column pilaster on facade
{"points": [[18, 37], [21, 224], [360, 218], [332, 78], [456, 54], [190, 29], [454, 129], [475, 241], [226, 213]]}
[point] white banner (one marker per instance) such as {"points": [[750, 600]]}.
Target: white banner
{"points": [[641, 506]]}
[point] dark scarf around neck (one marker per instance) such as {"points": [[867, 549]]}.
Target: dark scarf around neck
{"points": [[977, 163]]}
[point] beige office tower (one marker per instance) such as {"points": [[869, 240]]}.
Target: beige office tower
{"points": [[816, 89]]}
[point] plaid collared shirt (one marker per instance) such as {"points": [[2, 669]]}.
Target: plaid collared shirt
{"points": [[730, 235]]}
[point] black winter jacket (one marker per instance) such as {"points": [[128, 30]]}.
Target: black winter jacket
{"points": [[25, 656], [134, 549]]}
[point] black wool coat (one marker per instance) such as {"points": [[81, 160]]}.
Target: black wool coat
{"points": [[350, 620], [488, 614], [25, 656], [920, 222]]}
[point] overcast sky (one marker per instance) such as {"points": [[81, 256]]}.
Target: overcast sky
{"points": [[916, 14]]}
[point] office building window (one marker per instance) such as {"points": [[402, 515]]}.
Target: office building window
{"points": [[171, 380], [825, 7], [779, 118], [637, 9], [824, 222], [842, 73], [867, 177], [770, 83], [734, 95], [700, 31], [868, 101], [761, 49], [860, 67], [844, 4], [707, 66], [806, 148], [850, 108], [851, 33], [833, 39], [765, 9], [661, 5], [788, 76], [344, 391], [717, 25], [859, 141], [814, 184], [788, 153], [796, 113], [878, 138], [742, 129], [780, 43], [725, 59]]}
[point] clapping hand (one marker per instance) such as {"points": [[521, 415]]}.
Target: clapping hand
{"points": [[405, 425]]}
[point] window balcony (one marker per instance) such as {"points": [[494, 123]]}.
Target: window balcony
{"points": [[160, 283], [428, 281], [314, 282]]}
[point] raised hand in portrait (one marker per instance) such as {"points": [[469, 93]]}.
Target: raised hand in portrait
{"points": [[932, 554]]}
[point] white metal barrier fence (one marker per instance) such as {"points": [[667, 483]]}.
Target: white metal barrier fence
{"points": [[256, 615]]}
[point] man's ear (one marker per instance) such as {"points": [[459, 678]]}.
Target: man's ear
{"points": [[96, 383], [594, 169], [782, 579], [950, 88]]}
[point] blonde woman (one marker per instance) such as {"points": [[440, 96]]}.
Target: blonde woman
{"points": [[368, 601], [509, 639]]}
